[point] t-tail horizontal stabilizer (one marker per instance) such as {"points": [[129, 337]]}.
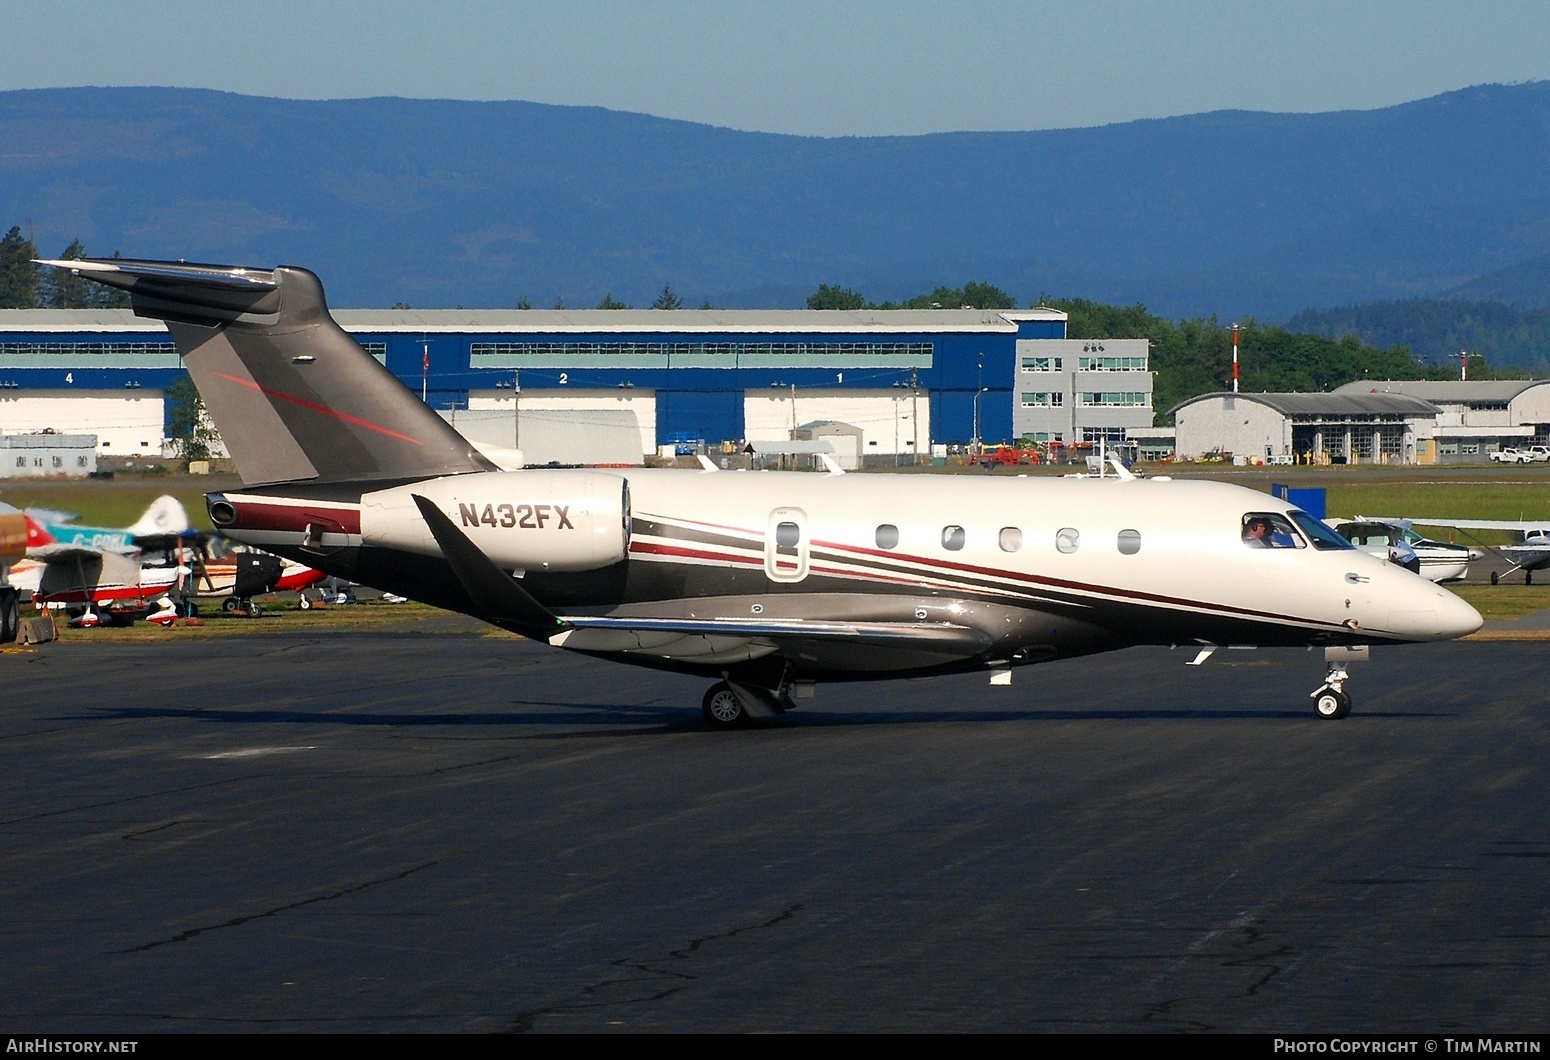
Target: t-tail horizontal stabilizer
{"points": [[293, 396], [495, 594]]}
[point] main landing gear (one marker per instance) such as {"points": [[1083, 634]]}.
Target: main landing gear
{"points": [[732, 704], [721, 707]]}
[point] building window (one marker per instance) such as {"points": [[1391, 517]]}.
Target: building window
{"points": [[701, 354], [88, 355], [1042, 364], [1043, 400], [1113, 399], [1112, 364]]}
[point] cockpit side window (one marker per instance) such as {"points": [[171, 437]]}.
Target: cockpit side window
{"points": [[1270, 530], [1324, 539]]}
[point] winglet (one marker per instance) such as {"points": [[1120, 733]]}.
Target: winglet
{"points": [[707, 463], [829, 463], [495, 594]]}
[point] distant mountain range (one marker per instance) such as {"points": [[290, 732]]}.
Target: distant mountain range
{"points": [[440, 203], [1437, 330]]}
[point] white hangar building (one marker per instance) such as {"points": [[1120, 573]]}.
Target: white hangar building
{"points": [[1475, 418], [1292, 428]]}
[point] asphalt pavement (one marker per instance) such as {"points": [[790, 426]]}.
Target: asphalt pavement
{"points": [[453, 832]]}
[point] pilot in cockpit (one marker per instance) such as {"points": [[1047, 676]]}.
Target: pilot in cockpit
{"points": [[1260, 531]]}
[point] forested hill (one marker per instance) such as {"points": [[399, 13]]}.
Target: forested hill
{"points": [[1437, 330], [442, 202], [1194, 356]]}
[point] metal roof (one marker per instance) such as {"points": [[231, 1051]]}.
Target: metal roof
{"points": [[76, 320], [1335, 404], [586, 321], [1446, 391]]}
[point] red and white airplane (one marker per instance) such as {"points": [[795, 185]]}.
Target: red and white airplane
{"points": [[102, 569], [763, 582]]}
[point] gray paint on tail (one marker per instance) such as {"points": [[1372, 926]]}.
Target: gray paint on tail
{"points": [[293, 396]]}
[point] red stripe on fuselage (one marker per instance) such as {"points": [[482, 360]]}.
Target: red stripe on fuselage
{"points": [[898, 560], [324, 409], [256, 515]]}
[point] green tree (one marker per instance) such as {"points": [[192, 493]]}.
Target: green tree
{"points": [[101, 296], [608, 302], [1194, 357], [831, 296], [667, 299], [523, 303], [19, 279], [63, 289], [972, 295], [192, 433]]}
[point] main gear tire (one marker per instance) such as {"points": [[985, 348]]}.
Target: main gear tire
{"points": [[722, 708]]}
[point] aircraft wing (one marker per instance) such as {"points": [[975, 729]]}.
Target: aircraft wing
{"points": [[1459, 524], [62, 552], [734, 640]]}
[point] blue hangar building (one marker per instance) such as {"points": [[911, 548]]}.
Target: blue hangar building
{"points": [[903, 378]]}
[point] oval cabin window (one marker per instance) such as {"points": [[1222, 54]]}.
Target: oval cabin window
{"points": [[1129, 542], [953, 538], [887, 536], [1011, 539]]}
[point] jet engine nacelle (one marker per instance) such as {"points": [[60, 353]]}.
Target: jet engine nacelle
{"points": [[523, 520]]}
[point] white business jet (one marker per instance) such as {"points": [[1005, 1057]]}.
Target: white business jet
{"points": [[767, 582]]}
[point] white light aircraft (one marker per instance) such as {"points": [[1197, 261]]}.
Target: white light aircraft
{"points": [[1529, 552], [765, 582], [1438, 561]]}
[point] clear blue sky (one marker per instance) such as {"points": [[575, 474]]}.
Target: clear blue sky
{"points": [[827, 68]]}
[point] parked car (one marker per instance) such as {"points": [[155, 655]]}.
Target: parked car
{"points": [[1509, 455]]}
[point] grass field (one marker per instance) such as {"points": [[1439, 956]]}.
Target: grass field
{"points": [[117, 501]]}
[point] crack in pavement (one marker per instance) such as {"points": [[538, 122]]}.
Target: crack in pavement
{"points": [[184, 936], [653, 970]]}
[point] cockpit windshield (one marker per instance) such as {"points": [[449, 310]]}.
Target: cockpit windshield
{"points": [[1270, 530], [1324, 539]]}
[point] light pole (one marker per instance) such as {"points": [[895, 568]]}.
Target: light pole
{"points": [[976, 447], [979, 388]]}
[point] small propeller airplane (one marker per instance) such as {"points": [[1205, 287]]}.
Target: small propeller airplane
{"points": [[101, 569], [154, 568], [1529, 552], [763, 582]]}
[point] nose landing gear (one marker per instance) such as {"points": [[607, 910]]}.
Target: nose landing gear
{"points": [[1330, 700]]}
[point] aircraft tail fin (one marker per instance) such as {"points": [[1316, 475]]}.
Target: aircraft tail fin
{"points": [[165, 515], [292, 395]]}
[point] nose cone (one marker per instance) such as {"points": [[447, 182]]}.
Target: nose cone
{"points": [[1428, 612], [1458, 618]]}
